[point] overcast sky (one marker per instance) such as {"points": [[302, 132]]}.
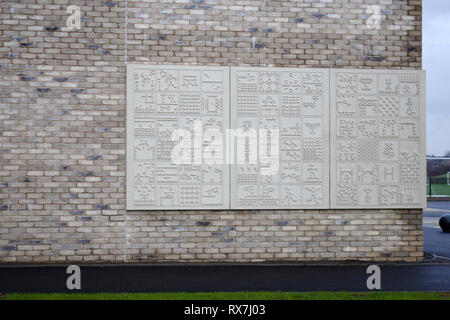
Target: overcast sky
{"points": [[436, 61]]}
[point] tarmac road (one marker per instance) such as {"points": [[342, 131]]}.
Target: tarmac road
{"points": [[441, 205], [199, 278], [435, 241]]}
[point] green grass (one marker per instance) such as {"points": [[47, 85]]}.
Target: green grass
{"points": [[442, 176], [235, 296], [439, 189]]}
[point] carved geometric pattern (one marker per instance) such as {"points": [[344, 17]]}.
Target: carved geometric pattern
{"points": [[160, 100], [368, 150], [312, 150], [295, 102], [377, 139]]}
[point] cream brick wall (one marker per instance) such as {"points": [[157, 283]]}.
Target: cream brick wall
{"points": [[62, 120]]}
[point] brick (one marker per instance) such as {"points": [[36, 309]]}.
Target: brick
{"points": [[62, 147]]}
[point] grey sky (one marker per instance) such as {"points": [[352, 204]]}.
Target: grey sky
{"points": [[436, 61]]}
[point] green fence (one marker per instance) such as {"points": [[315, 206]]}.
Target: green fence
{"points": [[438, 187]]}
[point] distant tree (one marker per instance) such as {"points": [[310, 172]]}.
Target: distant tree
{"points": [[447, 154], [437, 167]]}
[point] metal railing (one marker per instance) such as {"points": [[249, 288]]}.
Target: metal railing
{"points": [[438, 187]]}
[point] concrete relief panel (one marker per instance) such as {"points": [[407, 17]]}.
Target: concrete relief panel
{"points": [[280, 151], [377, 139], [182, 148], [176, 116]]}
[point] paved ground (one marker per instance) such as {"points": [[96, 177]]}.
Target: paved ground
{"points": [[442, 205], [225, 278], [168, 278], [435, 241]]}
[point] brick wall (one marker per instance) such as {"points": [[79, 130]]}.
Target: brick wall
{"points": [[62, 120]]}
